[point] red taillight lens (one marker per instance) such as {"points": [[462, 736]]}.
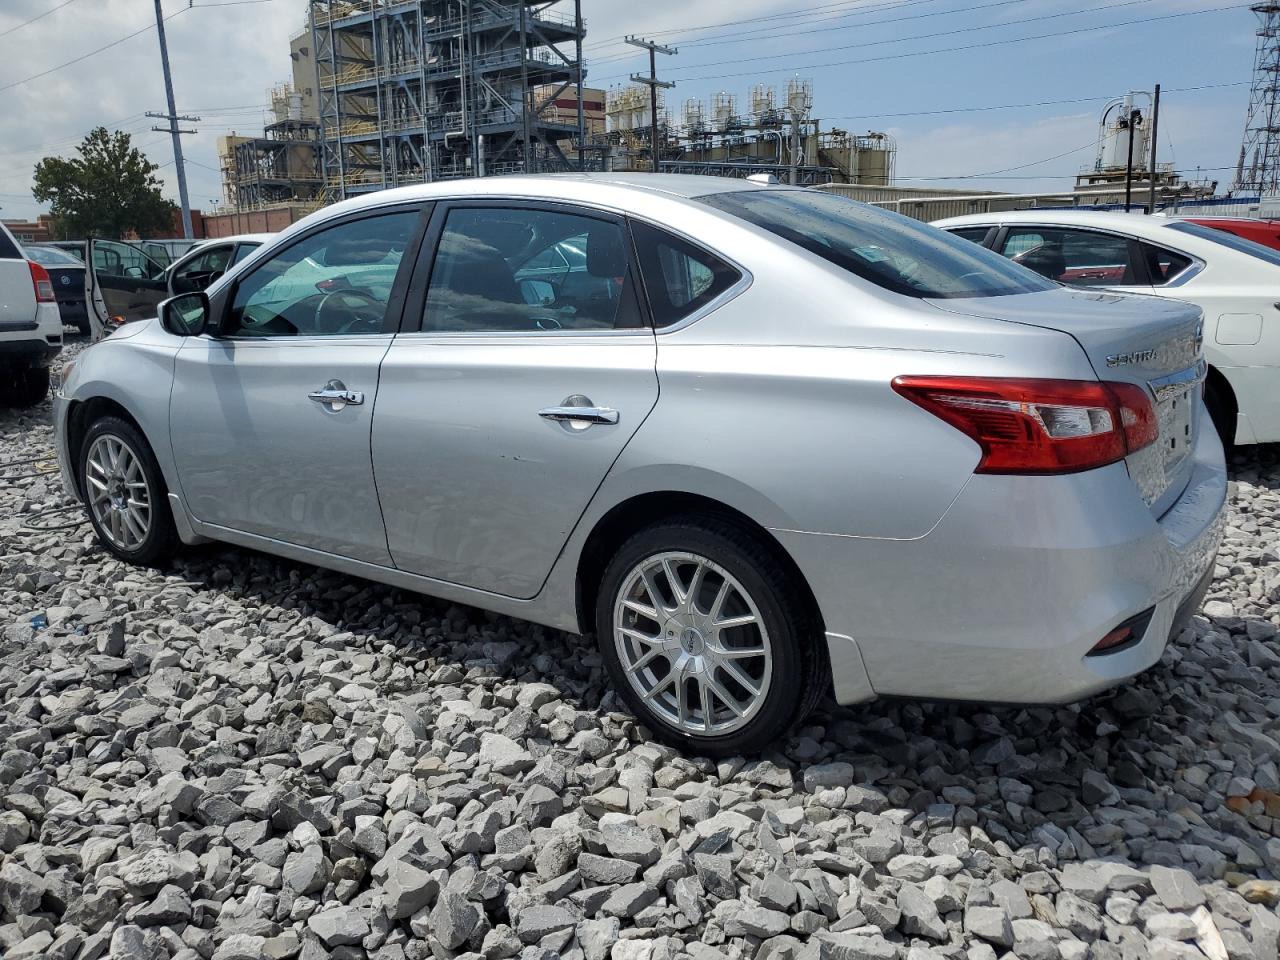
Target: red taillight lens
{"points": [[1039, 426], [43, 285]]}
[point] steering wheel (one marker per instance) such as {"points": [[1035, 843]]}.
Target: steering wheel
{"points": [[367, 311]]}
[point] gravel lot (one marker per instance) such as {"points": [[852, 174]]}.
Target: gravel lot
{"points": [[241, 757]]}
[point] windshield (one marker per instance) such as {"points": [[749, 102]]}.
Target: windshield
{"points": [[890, 250], [52, 257], [1239, 244]]}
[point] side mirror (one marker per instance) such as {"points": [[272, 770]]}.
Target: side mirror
{"points": [[186, 315]]}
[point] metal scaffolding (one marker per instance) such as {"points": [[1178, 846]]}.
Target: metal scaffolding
{"points": [[1258, 169], [420, 90]]}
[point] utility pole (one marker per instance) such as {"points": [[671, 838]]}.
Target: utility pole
{"points": [[653, 83], [173, 118], [1135, 118], [1155, 128]]}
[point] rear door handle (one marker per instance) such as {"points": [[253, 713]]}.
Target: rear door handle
{"points": [[580, 414]]}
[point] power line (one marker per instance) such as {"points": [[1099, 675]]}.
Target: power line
{"points": [[86, 56], [968, 46], [754, 35], [920, 36], [25, 23]]}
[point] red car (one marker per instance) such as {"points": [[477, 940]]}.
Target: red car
{"points": [[1265, 232]]}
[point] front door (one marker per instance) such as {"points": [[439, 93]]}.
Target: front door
{"points": [[499, 418], [122, 283], [270, 419]]}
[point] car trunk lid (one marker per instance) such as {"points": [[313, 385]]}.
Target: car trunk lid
{"points": [[1150, 341]]}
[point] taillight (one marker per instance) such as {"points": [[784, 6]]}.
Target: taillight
{"points": [[40, 280], [1039, 426]]}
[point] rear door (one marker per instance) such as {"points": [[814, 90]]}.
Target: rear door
{"points": [[122, 283], [521, 382], [17, 293]]}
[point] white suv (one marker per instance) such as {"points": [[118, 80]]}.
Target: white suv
{"points": [[30, 326]]}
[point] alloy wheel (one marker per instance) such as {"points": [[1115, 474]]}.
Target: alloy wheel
{"points": [[117, 491], [692, 643]]}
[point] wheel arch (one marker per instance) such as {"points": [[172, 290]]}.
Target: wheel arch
{"points": [[1217, 383], [82, 414], [635, 513]]}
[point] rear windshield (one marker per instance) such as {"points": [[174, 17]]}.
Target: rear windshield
{"points": [[52, 257], [890, 250], [1239, 244]]}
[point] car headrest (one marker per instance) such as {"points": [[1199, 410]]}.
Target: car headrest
{"points": [[605, 254]]}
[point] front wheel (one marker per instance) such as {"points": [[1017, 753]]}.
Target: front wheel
{"points": [[707, 639], [124, 492]]}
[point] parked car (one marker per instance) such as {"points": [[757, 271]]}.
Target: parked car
{"points": [[66, 273], [30, 326], [1265, 232], [786, 439], [126, 283], [1235, 281]]}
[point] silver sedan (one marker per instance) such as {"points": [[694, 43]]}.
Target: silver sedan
{"points": [[763, 442]]}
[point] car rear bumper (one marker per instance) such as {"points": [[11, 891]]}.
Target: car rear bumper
{"points": [[1004, 598]]}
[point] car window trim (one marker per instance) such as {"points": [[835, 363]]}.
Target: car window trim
{"points": [[416, 301], [220, 303]]}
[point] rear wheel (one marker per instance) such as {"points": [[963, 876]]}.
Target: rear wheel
{"points": [[24, 386], [707, 639], [1222, 411], [124, 492]]}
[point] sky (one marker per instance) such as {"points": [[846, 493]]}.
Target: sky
{"points": [[988, 94]]}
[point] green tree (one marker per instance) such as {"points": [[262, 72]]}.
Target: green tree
{"points": [[109, 190]]}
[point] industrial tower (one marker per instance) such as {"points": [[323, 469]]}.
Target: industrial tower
{"points": [[411, 91], [1258, 170]]}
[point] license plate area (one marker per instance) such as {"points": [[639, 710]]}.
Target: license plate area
{"points": [[1177, 426]]}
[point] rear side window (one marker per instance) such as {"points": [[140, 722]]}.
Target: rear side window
{"points": [[8, 247], [679, 277], [976, 234], [1163, 265], [884, 248]]}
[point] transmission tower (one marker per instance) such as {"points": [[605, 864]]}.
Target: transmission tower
{"points": [[1258, 169]]}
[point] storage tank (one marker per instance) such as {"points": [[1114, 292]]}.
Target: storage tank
{"points": [[724, 107], [799, 97]]}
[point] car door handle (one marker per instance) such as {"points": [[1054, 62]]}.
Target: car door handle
{"points": [[336, 394], [575, 415]]}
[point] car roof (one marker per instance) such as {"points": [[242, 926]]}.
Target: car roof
{"points": [[237, 238], [1055, 215], [620, 188]]}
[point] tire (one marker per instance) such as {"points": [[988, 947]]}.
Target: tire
{"points": [[785, 686], [151, 536], [1222, 413], [25, 386]]}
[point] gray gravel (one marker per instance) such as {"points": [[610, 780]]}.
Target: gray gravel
{"points": [[243, 758]]}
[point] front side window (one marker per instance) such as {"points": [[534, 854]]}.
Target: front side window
{"points": [[679, 278], [516, 270], [1082, 258], [334, 282], [884, 248]]}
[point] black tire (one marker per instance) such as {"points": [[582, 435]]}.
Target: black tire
{"points": [[161, 536], [25, 386], [1223, 414], [800, 673]]}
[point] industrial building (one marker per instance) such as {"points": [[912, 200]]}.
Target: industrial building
{"points": [[281, 166], [772, 136], [419, 90]]}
